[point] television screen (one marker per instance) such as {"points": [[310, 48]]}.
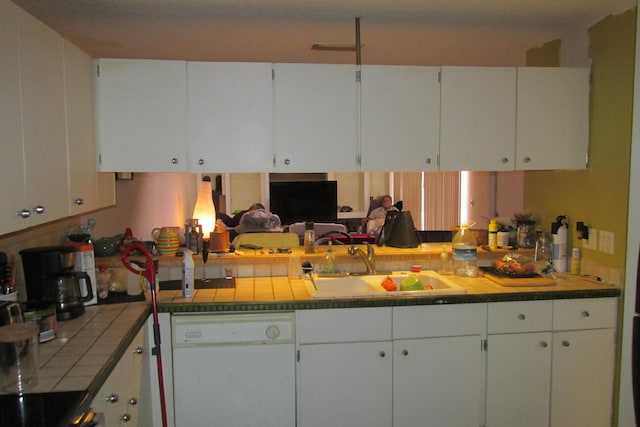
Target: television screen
{"points": [[296, 201]]}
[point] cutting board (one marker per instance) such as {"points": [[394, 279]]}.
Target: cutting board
{"points": [[520, 281]]}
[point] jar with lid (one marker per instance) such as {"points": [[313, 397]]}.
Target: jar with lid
{"points": [[103, 277]]}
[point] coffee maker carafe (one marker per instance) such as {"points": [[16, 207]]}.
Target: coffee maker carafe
{"points": [[50, 280]]}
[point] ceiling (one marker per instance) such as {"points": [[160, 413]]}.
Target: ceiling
{"points": [[393, 31]]}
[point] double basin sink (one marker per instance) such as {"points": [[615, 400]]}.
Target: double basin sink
{"points": [[370, 285]]}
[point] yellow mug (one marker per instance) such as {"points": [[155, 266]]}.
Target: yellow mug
{"points": [[167, 239]]}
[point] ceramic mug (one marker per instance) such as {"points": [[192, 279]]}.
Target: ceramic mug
{"points": [[167, 239]]}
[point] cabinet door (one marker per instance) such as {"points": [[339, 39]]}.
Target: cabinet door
{"points": [[518, 379], [582, 381], [437, 382], [345, 384], [400, 118], [83, 177], [43, 114], [315, 118], [230, 117], [478, 118], [12, 192], [118, 397], [141, 115], [552, 118]]}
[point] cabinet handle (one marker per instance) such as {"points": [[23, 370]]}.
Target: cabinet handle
{"points": [[505, 160], [287, 161], [428, 161], [38, 209], [586, 314], [543, 344], [521, 316], [382, 354], [174, 161], [79, 201], [138, 350], [527, 159], [125, 418], [565, 343], [133, 401], [24, 213], [112, 398], [201, 162], [405, 352]]}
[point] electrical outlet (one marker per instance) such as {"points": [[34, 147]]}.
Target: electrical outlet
{"points": [[607, 241], [592, 242]]}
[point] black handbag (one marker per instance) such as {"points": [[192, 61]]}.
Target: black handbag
{"points": [[398, 231]]}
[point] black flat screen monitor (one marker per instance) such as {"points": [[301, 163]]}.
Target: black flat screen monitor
{"points": [[296, 201]]}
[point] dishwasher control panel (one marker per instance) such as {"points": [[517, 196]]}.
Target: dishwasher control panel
{"points": [[225, 329]]}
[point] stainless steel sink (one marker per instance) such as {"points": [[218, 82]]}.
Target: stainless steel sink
{"points": [[371, 285]]}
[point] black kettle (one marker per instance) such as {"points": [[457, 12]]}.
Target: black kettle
{"points": [[69, 299]]}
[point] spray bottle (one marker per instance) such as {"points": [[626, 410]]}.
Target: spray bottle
{"points": [[187, 273], [559, 232]]}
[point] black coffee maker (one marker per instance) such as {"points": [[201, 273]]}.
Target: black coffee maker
{"points": [[50, 280]]}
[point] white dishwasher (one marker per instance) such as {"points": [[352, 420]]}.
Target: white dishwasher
{"points": [[234, 369]]}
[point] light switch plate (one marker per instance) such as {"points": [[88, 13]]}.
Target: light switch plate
{"points": [[592, 242], [607, 241]]}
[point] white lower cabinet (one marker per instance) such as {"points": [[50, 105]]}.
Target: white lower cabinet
{"points": [[119, 397], [356, 369], [550, 363]]}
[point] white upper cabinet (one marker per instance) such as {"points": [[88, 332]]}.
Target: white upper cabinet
{"points": [[552, 118], [12, 192], [478, 118], [230, 117], [316, 118], [141, 115], [400, 118], [43, 113], [83, 177]]}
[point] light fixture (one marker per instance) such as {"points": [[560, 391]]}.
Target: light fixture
{"points": [[204, 210], [343, 47], [334, 46]]}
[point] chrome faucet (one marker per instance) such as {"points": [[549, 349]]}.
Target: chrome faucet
{"points": [[369, 258]]}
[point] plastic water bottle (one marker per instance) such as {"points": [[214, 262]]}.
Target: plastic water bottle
{"points": [[187, 274], [465, 252]]}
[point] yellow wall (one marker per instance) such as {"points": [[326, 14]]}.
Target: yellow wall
{"points": [[597, 196]]}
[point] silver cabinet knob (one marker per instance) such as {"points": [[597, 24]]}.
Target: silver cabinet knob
{"points": [[586, 314], [174, 161], [113, 398], [125, 418], [138, 350], [382, 353], [133, 401], [505, 160], [521, 316], [527, 159], [24, 213], [201, 162], [38, 209], [287, 161], [428, 160], [79, 201], [565, 343], [543, 344], [405, 352]]}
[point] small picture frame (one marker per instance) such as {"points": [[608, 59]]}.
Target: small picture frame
{"points": [[124, 176]]}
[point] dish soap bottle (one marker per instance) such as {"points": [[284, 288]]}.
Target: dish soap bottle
{"points": [[187, 274], [465, 252], [330, 260]]}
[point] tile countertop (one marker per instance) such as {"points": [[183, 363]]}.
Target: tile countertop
{"points": [[282, 293], [87, 348]]}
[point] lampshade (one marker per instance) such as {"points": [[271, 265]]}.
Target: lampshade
{"points": [[204, 210]]}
